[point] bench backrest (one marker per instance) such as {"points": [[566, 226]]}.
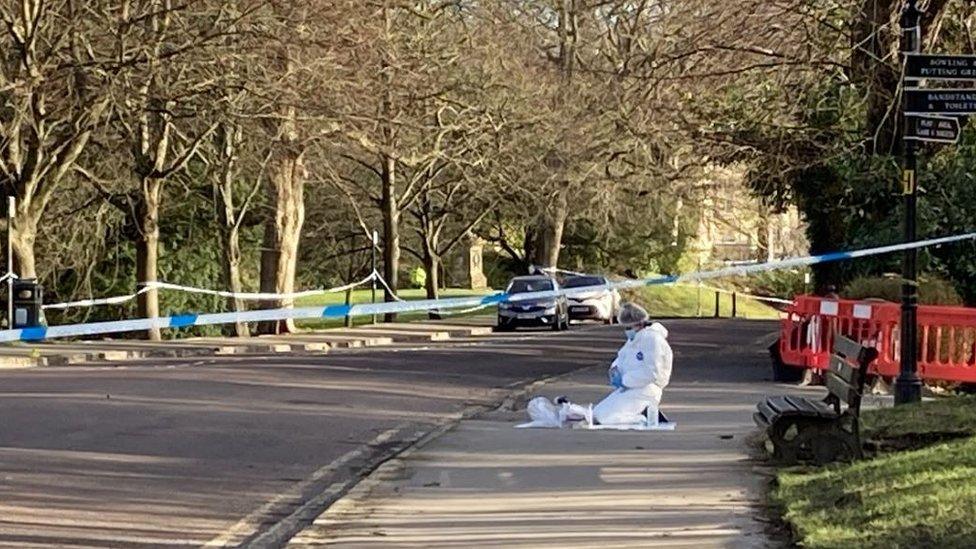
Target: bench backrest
{"points": [[849, 363]]}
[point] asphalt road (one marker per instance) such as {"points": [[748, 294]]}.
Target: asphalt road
{"points": [[222, 451]]}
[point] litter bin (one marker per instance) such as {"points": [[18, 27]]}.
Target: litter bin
{"points": [[28, 297]]}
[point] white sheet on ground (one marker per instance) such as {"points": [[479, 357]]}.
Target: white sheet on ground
{"points": [[630, 427], [671, 426], [547, 415]]}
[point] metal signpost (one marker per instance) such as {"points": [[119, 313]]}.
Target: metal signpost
{"points": [[940, 67], [958, 102], [11, 211], [375, 244], [929, 117], [932, 129]]}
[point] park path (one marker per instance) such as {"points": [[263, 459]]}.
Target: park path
{"points": [[486, 484]]}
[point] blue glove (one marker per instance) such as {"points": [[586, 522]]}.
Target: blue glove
{"points": [[616, 378]]}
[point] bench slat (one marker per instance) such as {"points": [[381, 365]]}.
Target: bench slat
{"points": [[812, 407], [801, 404], [760, 420], [843, 370], [779, 405], [841, 389], [773, 407], [848, 347], [766, 410]]}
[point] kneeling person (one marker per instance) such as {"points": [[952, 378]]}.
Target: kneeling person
{"points": [[640, 372]]}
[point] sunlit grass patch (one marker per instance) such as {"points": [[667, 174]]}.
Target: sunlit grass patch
{"points": [[916, 498], [365, 296], [689, 301]]}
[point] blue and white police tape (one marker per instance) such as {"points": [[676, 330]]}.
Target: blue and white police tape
{"points": [[245, 296], [340, 311], [187, 320], [804, 261]]}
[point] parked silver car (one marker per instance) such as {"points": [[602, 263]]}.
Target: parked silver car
{"points": [[598, 304], [547, 311]]}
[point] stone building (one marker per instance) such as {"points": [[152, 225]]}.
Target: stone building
{"points": [[734, 226]]}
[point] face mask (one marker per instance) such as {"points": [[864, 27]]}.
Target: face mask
{"points": [[631, 334]]}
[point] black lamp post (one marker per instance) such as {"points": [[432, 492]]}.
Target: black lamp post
{"points": [[908, 386]]}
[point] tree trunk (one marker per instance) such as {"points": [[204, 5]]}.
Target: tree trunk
{"points": [[391, 231], [23, 229], [282, 232], [147, 251], [549, 233], [826, 229], [348, 319], [232, 274], [230, 232], [269, 264], [764, 234], [871, 44], [432, 265], [529, 245]]}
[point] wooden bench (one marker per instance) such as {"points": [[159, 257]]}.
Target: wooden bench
{"points": [[821, 431]]}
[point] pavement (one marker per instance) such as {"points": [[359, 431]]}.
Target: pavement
{"points": [[487, 484]]}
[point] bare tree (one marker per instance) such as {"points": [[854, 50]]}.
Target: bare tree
{"points": [[393, 145], [300, 84], [231, 208], [45, 124], [159, 91]]}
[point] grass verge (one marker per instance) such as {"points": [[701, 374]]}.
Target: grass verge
{"points": [[365, 296], [686, 301], [920, 497]]}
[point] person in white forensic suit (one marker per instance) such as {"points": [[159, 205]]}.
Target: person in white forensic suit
{"points": [[640, 372]]}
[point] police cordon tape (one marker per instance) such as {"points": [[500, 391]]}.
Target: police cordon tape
{"points": [[738, 293], [269, 296], [369, 309], [554, 270], [246, 296]]}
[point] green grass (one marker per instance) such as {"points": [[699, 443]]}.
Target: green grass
{"points": [[683, 301], [916, 498], [364, 296], [950, 415]]}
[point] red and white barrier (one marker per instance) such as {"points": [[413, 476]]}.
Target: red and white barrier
{"points": [[947, 335]]}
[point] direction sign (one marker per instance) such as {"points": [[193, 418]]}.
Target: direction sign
{"points": [[934, 129], [940, 67], [918, 101]]}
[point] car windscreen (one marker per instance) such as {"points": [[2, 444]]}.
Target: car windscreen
{"points": [[581, 281], [526, 286]]}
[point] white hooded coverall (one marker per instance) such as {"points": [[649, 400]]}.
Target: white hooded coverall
{"points": [[645, 366]]}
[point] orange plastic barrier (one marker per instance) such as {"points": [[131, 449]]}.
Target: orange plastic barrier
{"points": [[947, 335]]}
